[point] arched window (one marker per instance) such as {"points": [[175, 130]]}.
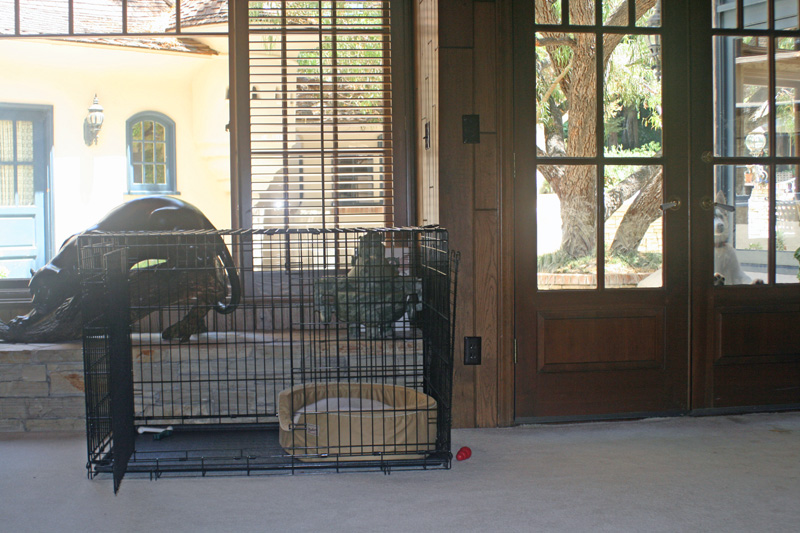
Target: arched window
{"points": [[151, 153]]}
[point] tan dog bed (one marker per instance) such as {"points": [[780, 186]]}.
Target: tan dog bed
{"points": [[356, 422]]}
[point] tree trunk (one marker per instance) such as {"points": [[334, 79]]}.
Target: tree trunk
{"points": [[642, 212], [631, 132], [579, 211], [576, 185]]}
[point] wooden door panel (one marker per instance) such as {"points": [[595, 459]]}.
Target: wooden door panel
{"points": [[582, 394], [600, 340], [756, 385], [757, 356], [747, 335]]}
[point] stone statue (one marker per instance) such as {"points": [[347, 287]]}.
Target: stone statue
{"points": [[372, 294], [57, 312]]}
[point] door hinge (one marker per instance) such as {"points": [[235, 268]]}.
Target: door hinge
{"points": [[515, 351]]}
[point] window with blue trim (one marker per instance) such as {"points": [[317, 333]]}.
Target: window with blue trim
{"points": [[151, 153]]}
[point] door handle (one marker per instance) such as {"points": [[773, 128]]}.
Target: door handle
{"points": [[672, 204], [707, 204]]}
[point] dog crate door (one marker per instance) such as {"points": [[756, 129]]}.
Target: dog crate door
{"points": [[121, 364], [108, 367]]}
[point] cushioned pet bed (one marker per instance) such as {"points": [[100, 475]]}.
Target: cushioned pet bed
{"points": [[356, 422]]}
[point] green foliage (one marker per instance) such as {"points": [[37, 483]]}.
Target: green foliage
{"points": [[616, 173], [646, 150], [560, 262], [638, 262], [297, 12], [632, 78], [3, 272]]}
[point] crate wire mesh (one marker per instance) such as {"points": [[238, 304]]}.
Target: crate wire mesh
{"points": [[320, 349]]}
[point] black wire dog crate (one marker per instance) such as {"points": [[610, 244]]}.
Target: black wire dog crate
{"points": [[266, 351]]}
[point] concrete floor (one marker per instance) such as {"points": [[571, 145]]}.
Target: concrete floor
{"points": [[726, 473]]}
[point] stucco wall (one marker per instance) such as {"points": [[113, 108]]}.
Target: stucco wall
{"points": [[89, 181]]}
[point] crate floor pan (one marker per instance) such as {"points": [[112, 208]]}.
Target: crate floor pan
{"points": [[244, 450]]}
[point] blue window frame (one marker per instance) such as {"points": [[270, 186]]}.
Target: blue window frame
{"points": [[151, 153]]}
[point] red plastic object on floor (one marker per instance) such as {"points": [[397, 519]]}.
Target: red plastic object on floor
{"points": [[463, 454]]}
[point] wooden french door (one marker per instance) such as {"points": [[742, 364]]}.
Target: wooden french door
{"points": [[692, 131], [601, 219], [746, 125]]}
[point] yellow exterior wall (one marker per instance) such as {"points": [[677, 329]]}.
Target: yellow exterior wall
{"points": [[89, 181]]}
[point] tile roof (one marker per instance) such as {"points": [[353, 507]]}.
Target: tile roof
{"points": [[201, 12], [161, 44], [51, 17]]}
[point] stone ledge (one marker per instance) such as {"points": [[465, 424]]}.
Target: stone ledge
{"points": [[41, 387]]}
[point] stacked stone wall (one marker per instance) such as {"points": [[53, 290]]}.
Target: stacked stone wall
{"points": [[41, 387]]}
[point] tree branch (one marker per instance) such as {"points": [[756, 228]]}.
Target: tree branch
{"points": [[625, 189], [619, 18], [556, 40], [557, 81]]}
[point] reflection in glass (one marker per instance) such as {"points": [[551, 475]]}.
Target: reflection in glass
{"points": [[724, 13], [566, 123], [632, 98], [786, 16], [634, 235], [566, 227], [741, 87], [787, 96], [787, 223], [741, 224]]}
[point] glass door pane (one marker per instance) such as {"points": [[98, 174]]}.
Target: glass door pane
{"points": [[756, 134], [598, 211]]}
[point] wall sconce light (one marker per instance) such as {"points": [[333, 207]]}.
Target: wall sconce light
{"points": [[93, 122]]}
